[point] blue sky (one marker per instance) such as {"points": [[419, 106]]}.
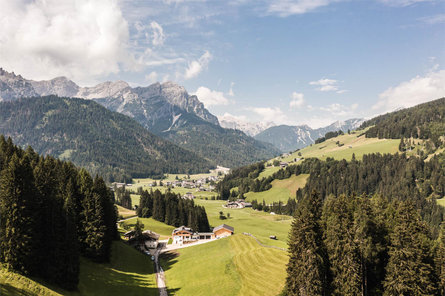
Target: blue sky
{"points": [[285, 61]]}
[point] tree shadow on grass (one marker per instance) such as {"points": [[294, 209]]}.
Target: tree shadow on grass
{"points": [[168, 259]]}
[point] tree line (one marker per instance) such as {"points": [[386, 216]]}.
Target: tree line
{"points": [[173, 210], [424, 121], [51, 213], [356, 245], [328, 136]]}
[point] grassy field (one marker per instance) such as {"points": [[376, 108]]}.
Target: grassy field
{"points": [[258, 223], [125, 213], [149, 223], [128, 273], [268, 171], [281, 190], [232, 266], [352, 143]]}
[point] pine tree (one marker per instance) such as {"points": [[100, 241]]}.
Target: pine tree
{"points": [[410, 269], [306, 270], [18, 217], [343, 250]]}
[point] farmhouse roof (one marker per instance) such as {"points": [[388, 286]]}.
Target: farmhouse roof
{"points": [[150, 234], [224, 226], [182, 228]]}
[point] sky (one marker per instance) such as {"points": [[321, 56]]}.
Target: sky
{"points": [[283, 61]]}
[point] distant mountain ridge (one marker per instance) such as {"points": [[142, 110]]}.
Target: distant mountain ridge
{"points": [[88, 134], [165, 109], [289, 138], [249, 128]]}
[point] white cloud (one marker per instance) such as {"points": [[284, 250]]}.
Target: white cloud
{"points": [[402, 3], [152, 77], [196, 66], [158, 34], [81, 39], [269, 114], [211, 97], [326, 84], [286, 8], [339, 109], [433, 19], [418, 90], [230, 117], [231, 93], [297, 100]]}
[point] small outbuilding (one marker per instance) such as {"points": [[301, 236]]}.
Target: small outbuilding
{"points": [[223, 231]]}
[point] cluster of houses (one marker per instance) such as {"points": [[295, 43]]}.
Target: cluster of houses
{"points": [[183, 235], [237, 204], [190, 184]]}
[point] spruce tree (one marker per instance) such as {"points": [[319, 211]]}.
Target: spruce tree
{"points": [[343, 250], [410, 269], [306, 270], [19, 212]]}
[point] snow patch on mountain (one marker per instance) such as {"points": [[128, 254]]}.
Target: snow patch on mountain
{"points": [[241, 123]]}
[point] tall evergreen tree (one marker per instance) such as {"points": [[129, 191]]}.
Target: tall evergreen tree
{"points": [[306, 270], [18, 216], [410, 270], [343, 250]]}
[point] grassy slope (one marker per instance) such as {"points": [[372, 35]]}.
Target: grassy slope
{"points": [[206, 269], [151, 224], [260, 224], [360, 146], [281, 190], [125, 213], [128, 273], [233, 266]]}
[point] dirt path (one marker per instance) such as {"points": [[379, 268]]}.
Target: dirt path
{"points": [[160, 276]]}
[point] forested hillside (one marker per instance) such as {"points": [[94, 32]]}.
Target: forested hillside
{"points": [[51, 213], [424, 121], [226, 147], [104, 142]]}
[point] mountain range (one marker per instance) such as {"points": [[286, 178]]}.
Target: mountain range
{"points": [[166, 110], [102, 141], [289, 138], [249, 128]]}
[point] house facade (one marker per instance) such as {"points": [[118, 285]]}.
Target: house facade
{"points": [[183, 235], [223, 231]]}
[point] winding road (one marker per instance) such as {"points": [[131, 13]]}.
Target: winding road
{"points": [[160, 277]]}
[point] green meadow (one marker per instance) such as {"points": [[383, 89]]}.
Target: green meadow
{"points": [[258, 223], [151, 224], [129, 273], [354, 143], [237, 265], [281, 190], [125, 213]]}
